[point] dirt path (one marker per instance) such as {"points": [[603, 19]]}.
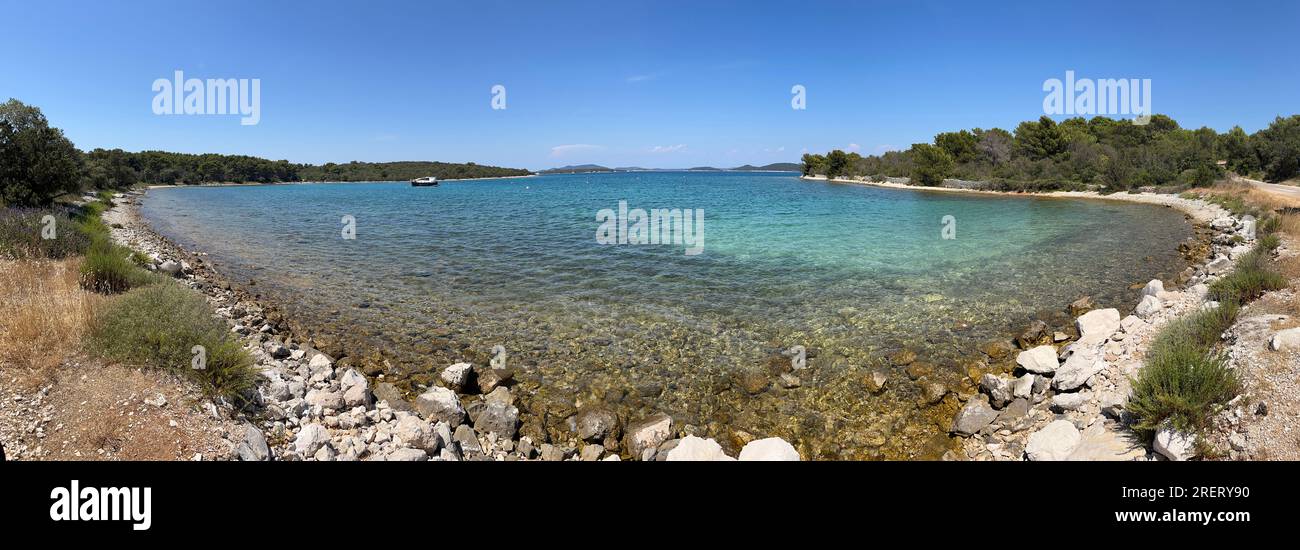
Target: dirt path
{"points": [[1290, 192]]}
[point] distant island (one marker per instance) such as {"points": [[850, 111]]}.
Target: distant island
{"points": [[592, 168]]}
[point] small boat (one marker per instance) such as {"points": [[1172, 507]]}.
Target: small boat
{"points": [[424, 182]]}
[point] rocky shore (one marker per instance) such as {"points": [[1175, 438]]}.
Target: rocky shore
{"points": [[309, 406], [1066, 398]]}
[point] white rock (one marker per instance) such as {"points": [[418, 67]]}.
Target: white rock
{"points": [[1219, 266], [351, 378], [358, 396], [1070, 401], [1055, 441], [1153, 288], [1097, 325], [417, 434], [1041, 360], [169, 267], [649, 433], [770, 449], [320, 361], [440, 404], [457, 375], [310, 439], [325, 399], [1148, 307], [1247, 228], [1285, 339], [1175, 445], [1023, 386], [1132, 323], [695, 449], [1076, 371]]}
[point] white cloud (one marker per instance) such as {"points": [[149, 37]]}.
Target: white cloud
{"points": [[668, 148], [853, 148], [563, 150], [643, 77]]}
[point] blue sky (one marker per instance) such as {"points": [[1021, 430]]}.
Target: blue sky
{"points": [[660, 84]]}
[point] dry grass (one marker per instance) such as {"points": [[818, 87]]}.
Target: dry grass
{"points": [[46, 313]]}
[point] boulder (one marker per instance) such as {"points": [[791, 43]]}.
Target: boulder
{"points": [[498, 418], [1040, 360], [1023, 386], [320, 361], [405, 455], [1055, 441], [489, 378], [1102, 444], [595, 423], [170, 267], [358, 396], [310, 439], [253, 447], [971, 419], [695, 449], [772, 449], [1175, 445], [456, 376], [1219, 265], [467, 441], [1153, 288], [1035, 334], [1076, 371], [1285, 339], [440, 404], [416, 433], [1148, 307], [351, 379], [648, 433], [325, 399], [1070, 401], [999, 389], [385, 391], [1097, 325]]}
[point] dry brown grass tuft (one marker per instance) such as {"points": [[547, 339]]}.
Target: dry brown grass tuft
{"points": [[45, 315]]}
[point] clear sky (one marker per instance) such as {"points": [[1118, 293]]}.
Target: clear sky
{"points": [[621, 83]]}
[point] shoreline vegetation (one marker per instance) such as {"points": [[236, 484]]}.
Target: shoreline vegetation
{"points": [[1169, 376]]}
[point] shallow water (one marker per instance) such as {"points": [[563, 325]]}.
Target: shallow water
{"points": [[439, 275]]}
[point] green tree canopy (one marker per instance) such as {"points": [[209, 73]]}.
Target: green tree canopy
{"points": [[37, 163]]}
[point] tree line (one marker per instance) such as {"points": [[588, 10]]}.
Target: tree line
{"points": [[1108, 153], [38, 164]]}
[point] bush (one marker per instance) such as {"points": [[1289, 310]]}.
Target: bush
{"points": [[1180, 384], [158, 326], [21, 235], [1252, 277], [110, 269]]}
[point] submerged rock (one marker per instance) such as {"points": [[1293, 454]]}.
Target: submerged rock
{"points": [[974, 416]]}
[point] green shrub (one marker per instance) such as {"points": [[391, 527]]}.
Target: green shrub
{"points": [[158, 326], [1270, 242], [109, 269], [1180, 384], [21, 234], [1269, 225]]}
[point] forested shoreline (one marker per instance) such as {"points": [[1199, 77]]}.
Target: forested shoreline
{"points": [[38, 164], [1104, 153]]}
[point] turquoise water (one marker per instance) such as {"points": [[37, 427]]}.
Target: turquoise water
{"points": [[437, 275]]}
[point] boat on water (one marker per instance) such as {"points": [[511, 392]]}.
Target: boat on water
{"points": [[424, 182]]}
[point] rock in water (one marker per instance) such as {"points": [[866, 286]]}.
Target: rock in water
{"points": [[456, 376], [498, 418], [596, 423], [648, 434], [1040, 360], [440, 404], [973, 417], [770, 449], [1056, 441], [1035, 334], [1175, 445], [695, 449]]}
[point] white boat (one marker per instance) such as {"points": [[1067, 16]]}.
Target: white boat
{"points": [[424, 182]]}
